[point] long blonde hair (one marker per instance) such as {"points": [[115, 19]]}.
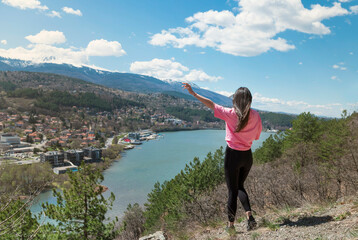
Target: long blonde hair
{"points": [[242, 103]]}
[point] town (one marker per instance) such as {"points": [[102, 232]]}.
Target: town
{"points": [[27, 138]]}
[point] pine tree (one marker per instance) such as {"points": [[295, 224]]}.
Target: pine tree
{"points": [[81, 208]]}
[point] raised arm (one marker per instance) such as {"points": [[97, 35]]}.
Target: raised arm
{"points": [[207, 102]]}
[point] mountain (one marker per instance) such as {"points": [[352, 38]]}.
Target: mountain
{"points": [[123, 81]]}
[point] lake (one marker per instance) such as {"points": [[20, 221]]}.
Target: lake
{"points": [[133, 176]]}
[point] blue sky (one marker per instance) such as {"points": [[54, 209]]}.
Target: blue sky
{"points": [[293, 55]]}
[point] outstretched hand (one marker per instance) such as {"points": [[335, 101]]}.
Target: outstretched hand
{"points": [[188, 87]]}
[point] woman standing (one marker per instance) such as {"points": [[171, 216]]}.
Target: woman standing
{"points": [[243, 125]]}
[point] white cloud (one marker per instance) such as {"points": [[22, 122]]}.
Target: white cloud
{"points": [[54, 14], [47, 37], [225, 93], [354, 9], [253, 30], [293, 106], [351, 53], [42, 50], [334, 78], [344, 1], [4, 42], [339, 66], [168, 69], [25, 4], [104, 48], [72, 11], [300, 63]]}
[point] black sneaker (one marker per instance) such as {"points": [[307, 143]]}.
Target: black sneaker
{"points": [[251, 224]]}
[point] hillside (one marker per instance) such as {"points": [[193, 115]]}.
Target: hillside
{"points": [[176, 103], [338, 220], [123, 81]]}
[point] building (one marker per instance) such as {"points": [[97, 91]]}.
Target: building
{"points": [[134, 136], [94, 153], [74, 156], [10, 139], [4, 147], [62, 170], [55, 158]]}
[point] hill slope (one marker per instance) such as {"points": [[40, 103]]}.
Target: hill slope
{"points": [[332, 221], [124, 81]]}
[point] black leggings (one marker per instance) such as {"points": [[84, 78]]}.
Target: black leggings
{"points": [[237, 167]]}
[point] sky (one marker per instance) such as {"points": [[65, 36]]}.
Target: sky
{"points": [[294, 56]]}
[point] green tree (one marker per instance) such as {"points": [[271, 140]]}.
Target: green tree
{"points": [[166, 200], [270, 150], [81, 208], [16, 220], [306, 128]]}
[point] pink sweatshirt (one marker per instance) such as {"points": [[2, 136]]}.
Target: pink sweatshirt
{"points": [[239, 140]]}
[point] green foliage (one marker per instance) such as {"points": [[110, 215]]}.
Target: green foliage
{"points": [[81, 208], [166, 200], [7, 86], [272, 120], [270, 150], [52, 100], [306, 128], [16, 220], [25, 179], [25, 93], [187, 114], [113, 151]]}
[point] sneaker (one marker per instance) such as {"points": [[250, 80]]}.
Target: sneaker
{"points": [[251, 224], [230, 229]]}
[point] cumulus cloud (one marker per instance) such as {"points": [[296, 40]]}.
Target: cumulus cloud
{"points": [[292, 106], [4, 42], [42, 50], [47, 37], [168, 69], [253, 30], [354, 9], [72, 11], [25, 4], [104, 48], [54, 14]]}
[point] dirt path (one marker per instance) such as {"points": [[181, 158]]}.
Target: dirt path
{"points": [[335, 221]]}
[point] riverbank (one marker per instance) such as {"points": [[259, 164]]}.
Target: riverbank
{"points": [[133, 176]]}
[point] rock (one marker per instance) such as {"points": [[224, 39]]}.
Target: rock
{"points": [[155, 236]]}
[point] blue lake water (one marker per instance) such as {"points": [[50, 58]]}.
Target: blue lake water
{"points": [[132, 177]]}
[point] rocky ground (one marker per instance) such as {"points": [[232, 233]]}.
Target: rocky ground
{"points": [[331, 221]]}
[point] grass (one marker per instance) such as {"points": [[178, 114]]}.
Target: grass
{"points": [[270, 225], [281, 219], [241, 219], [255, 236], [342, 216]]}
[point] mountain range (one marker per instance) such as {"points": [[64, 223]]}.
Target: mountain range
{"points": [[123, 81]]}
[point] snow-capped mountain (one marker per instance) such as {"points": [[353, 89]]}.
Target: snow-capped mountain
{"points": [[124, 81]]}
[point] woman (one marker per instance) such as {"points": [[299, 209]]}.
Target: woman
{"points": [[243, 125]]}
